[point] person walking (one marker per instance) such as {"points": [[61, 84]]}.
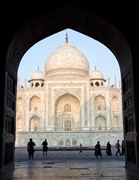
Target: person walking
{"points": [[118, 148], [45, 147], [30, 148], [108, 149], [98, 149]]}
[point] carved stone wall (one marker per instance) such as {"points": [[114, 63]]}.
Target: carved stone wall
{"points": [[69, 138]]}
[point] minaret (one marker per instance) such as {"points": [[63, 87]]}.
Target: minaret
{"points": [[66, 38], [115, 81], [108, 81], [18, 82], [25, 83], [119, 84]]}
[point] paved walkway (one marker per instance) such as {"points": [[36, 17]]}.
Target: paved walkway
{"points": [[69, 165]]}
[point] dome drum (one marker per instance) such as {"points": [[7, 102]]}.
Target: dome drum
{"points": [[67, 73]]}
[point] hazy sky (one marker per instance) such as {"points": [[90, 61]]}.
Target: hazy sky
{"points": [[97, 54]]}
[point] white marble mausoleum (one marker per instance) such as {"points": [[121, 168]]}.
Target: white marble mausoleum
{"points": [[68, 104]]}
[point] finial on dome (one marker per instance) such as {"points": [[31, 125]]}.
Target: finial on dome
{"points": [[25, 82], [66, 38]]}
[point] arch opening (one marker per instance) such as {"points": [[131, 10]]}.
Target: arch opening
{"points": [[118, 46]]}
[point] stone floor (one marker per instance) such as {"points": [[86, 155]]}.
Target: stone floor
{"points": [[67, 165]]}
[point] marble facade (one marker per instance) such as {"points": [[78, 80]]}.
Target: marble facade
{"points": [[67, 104]]}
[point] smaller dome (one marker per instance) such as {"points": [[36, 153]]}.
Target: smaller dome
{"points": [[37, 75], [96, 75]]}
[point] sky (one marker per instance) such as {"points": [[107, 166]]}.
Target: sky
{"points": [[97, 54]]}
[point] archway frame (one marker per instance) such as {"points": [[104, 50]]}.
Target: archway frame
{"points": [[83, 22]]}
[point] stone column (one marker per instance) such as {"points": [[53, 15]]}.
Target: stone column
{"points": [[93, 111], [108, 110], [51, 107], [46, 105], [52, 110], [121, 111], [26, 112], [18, 83], [82, 108], [86, 107]]}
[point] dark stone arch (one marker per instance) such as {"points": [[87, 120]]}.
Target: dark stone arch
{"points": [[76, 19], [86, 23]]}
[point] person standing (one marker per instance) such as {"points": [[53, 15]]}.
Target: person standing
{"points": [[108, 149], [98, 149], [30, 148], [45, 147], [118, 148], [81, 148], [123, 147]]}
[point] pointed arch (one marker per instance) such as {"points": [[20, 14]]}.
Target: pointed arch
{"points": [[115, 122], [100, 104], [67, 112], [19, 107], [35, 103], [34, 123], [19, 124], [98, 29], [115, 104], [100, 122]]}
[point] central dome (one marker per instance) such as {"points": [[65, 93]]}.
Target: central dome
{"points": [[67, 60]]}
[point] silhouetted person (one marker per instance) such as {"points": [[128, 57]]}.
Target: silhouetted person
{"points": [[118, 148], [98, 149], [123, 147], [30, 148], [81, 148], [45, 147], [108, 149]]}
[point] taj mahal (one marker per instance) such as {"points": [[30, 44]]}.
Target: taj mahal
{"points": [[67, 104]]}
